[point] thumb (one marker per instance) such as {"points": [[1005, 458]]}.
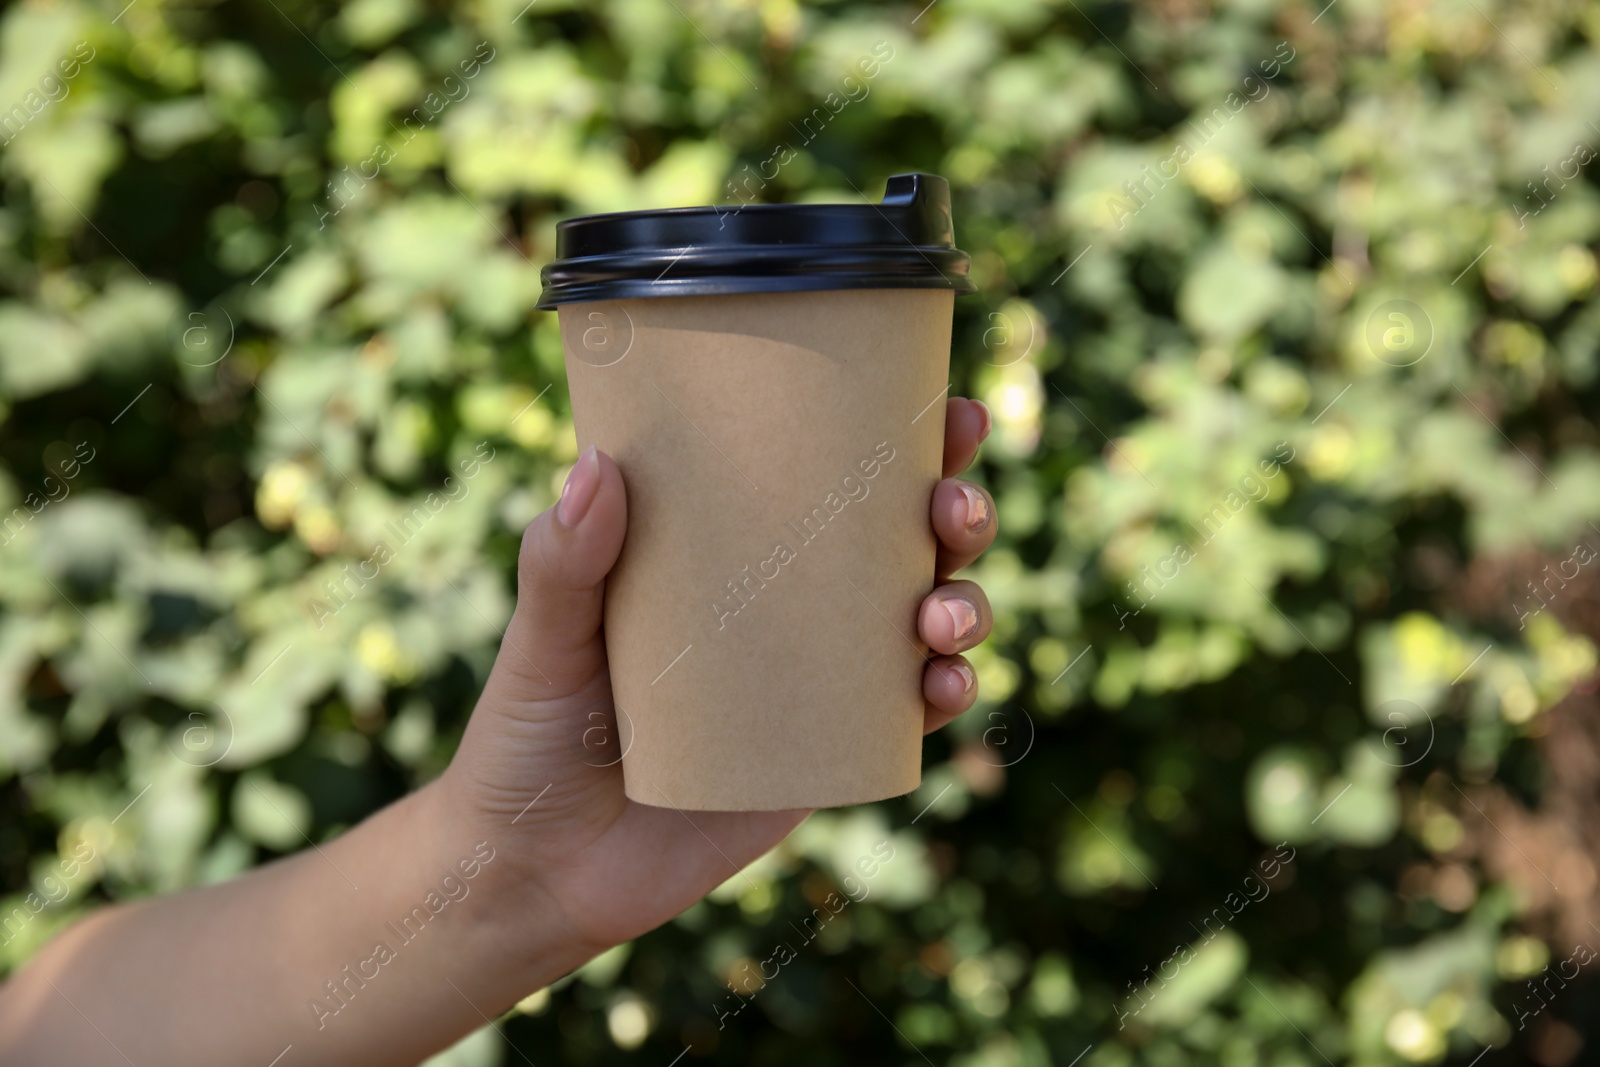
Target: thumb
{"points": [[553, 645]]}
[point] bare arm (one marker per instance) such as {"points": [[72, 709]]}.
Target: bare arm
{"points": [[392, 940], [521, 862]]}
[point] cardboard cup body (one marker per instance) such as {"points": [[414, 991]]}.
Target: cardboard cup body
{"points": [[779, 452]]}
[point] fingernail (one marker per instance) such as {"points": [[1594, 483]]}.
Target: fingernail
{"points": [[578, 492], [964, 614], [988, 420], [977, 507], [964, 672]]}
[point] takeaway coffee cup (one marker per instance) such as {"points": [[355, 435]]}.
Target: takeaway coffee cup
{"points": [[771, 381]]}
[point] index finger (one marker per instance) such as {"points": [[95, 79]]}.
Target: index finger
{"points": [[966, 424]]}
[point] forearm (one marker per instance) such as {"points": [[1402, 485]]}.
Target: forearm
{"points": [[375, 948]]}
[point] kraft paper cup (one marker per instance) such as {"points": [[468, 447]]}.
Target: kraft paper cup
{"points": [[780, 450]]}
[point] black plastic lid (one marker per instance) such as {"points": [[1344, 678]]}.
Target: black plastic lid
{"points": [[907, 242]]}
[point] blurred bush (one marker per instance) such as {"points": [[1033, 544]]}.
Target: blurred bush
{"points": [[1287, 321]]}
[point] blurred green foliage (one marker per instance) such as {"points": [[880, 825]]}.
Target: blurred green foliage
{"points": [[1287, 321]]}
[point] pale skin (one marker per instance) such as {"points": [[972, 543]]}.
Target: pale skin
{"points": [[228, 974]]}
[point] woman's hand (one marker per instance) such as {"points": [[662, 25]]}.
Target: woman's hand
{"points": [[441, 910], [569, 844]]}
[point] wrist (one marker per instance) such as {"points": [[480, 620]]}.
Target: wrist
{"points": [[513, 917]]}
